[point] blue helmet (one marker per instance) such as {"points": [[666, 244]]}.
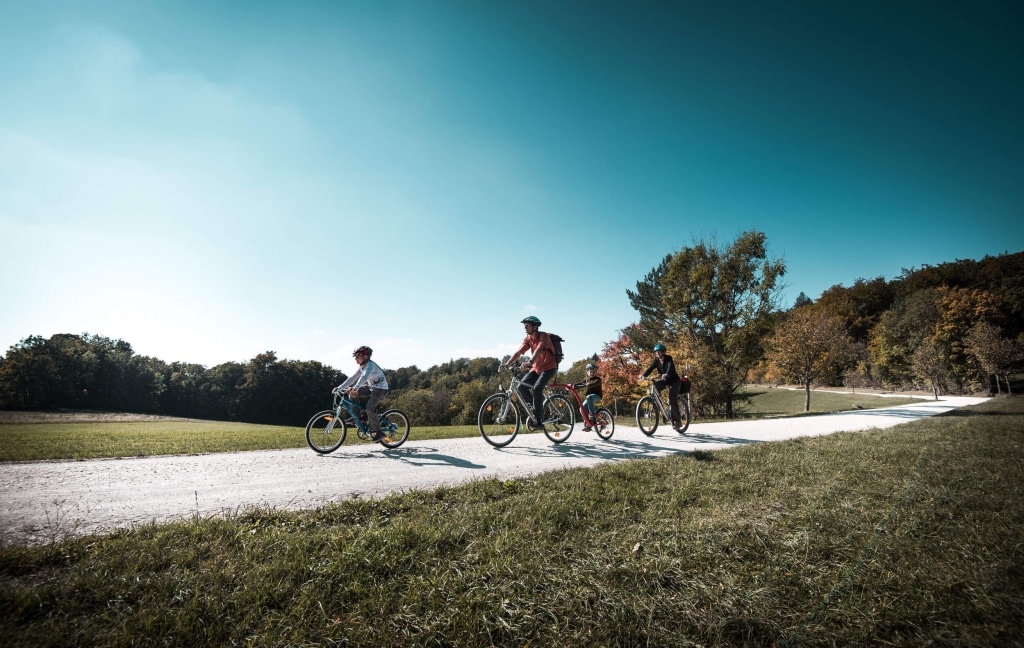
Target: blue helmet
{"points": [[531, 320], [659, 347]]}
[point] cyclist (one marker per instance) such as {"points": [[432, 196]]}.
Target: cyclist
{"points": [[367, 386], [593, 393], [542, 368], [667, 377]]}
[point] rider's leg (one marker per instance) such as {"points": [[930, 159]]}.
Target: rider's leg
{"points": [[371, 410], [673, 403], [538, 391], [590, 402], [526, 391]]}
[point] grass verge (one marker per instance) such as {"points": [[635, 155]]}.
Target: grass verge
{"points": [[906, 536]]}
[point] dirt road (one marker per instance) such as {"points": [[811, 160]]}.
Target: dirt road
{"points": [[42, 500]]}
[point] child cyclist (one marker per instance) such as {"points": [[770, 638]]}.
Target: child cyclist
{"points": [[367, 386], [593, 394]]}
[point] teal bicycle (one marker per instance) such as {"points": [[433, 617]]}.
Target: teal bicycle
{"points": [[326, 431]]}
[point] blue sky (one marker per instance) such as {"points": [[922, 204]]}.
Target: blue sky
{"points": [[211, 180]]}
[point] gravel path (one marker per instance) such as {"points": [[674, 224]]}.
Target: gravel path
{"points": [[44, 500]]}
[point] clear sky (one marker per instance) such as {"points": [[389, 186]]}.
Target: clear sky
{"points": [[209, 180]]}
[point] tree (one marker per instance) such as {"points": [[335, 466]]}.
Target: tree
{"points": [[619, 366], [899, 332], [861, 305], [719, 301], [996, 355], [809, 344], [959, 310], [648, 301], [27, 375], [928, 365]]}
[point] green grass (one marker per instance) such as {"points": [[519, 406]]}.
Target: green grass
{"points": [[764, 402], [50, 441], [63, 440], [904, 536]]}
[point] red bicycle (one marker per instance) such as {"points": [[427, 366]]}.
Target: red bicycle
{"points": [[603, 422]]}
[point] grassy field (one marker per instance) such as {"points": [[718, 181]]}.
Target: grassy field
{"points": [[905, 536], [42, 436]]}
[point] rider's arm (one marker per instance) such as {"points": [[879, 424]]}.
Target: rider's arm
{"points": [[649, 370], [515, 356], [348, 382]]}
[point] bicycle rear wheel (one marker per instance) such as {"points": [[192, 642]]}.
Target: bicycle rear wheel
{"points": [[395, 426], [684, 414], [325, 432], [605, 423], [558, 418], [498, 420], [647, 415]]}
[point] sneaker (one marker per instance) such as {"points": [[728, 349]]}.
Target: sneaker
{"points": [[530, 425], [588, 429], [376, 437]]}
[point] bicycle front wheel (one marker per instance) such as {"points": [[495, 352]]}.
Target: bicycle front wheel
{"points": [[395, 426], [558, 418], [498, 420], [604, 423], [647, 415], [325, 432]]}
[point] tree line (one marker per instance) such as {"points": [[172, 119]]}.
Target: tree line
{"points": [[953, 328]]}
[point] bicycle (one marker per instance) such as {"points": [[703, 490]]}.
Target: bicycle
{"points": [[652, 406], [499, 418], [603, 421], [326, 431]]}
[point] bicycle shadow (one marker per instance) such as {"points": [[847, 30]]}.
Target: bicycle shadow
{"points": [[895, 412], [420, 456], [625, 449], [414, 456]]}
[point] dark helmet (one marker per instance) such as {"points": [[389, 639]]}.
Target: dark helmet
{"points": [[364, 350], [531, 320], [659, 347]]}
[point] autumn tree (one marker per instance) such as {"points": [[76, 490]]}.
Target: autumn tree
{"points": [[619, 365], [959, 310], [811, 343]]}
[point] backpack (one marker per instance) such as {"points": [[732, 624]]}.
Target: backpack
{"points": [[684, 385], [556, 342]]}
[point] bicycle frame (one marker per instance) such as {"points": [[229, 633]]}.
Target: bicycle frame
{"points": [[579, 401], [655, 393], [602, 422], [514, 395], [661, 411], [353, 408], [499, 416]]}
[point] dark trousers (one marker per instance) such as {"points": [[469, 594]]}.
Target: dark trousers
{"points": [[536, 381], [369, 399], [673, 399]]}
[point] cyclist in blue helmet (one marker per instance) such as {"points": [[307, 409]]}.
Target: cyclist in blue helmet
{"points": [[667, 377], [542, 368]]}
